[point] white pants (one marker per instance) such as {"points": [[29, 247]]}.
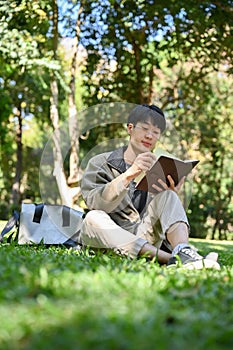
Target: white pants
{"points": [[100, 231]]}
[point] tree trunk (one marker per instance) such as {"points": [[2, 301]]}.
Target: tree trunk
{"points": [[138, 83], [57, 153], [16, 195], [219, 203], [73, 117], [54, 116]]}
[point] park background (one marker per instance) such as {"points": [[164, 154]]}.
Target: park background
{"points": [[59, 59], [61, 64]]}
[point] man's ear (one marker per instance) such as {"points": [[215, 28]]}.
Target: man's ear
{"points": [[130, 127]]}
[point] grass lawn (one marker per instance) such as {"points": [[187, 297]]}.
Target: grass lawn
{"points": [[53, 298]]}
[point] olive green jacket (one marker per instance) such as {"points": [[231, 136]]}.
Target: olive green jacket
{"points": [[103, 189]]}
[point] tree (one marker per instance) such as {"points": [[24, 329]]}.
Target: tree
{"points": [[22, 26], [214, 188], [128, 42], [73, 115], [68, 194]]}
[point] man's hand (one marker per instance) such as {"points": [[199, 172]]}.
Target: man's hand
{"points": [[172, 186], [143, 162]]}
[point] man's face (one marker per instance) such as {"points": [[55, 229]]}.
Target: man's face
{"points": [[143, 136]]}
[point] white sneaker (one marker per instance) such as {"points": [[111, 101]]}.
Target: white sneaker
{"points": [[190, 259], [212, 256]]}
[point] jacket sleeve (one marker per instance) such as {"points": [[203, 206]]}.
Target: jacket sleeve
{"points": [[100, 189]]}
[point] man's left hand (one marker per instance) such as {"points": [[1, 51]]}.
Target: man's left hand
{"points": [[172, 186]]}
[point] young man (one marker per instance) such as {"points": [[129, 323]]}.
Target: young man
{"points": [[130, 221]]}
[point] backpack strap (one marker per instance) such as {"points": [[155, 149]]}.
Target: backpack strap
{"points": [[38, 212]]}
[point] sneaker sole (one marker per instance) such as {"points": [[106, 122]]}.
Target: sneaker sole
{"points": [[202, 264]]}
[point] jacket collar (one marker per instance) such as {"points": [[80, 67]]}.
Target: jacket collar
{"points": [[116, 159]]}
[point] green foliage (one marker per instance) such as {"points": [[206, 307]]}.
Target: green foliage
{"points": [[23, 25], [204, 121], [128, 41], [24, 57], [81, 300]]}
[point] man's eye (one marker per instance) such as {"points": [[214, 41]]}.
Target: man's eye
{"points": [[145, 129]]}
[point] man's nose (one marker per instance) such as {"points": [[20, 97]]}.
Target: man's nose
{"points": [[149, 134]]}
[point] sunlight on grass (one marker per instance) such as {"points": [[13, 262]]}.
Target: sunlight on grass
{"points": [[54, 297]]}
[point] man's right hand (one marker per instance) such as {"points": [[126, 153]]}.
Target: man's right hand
{"points": [[142, 163]]}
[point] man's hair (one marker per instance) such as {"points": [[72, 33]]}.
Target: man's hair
{"points": [[144, 113]]}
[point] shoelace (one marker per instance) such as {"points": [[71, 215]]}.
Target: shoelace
{"points": [[191, 253]]}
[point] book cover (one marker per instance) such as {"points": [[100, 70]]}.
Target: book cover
{"points": [[163, 167]]}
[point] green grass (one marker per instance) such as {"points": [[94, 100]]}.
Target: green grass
{"points": [[53, 298]]}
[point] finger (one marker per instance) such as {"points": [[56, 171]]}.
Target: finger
{"points": [[180, 184], [171, 181], [163, 184], [157, 188], [144, 164], [147, 157]]}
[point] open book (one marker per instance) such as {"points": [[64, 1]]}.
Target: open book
{"points": [[164, 166]]}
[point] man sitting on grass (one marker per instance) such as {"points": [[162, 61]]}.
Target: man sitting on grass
{"points": [[130, 221]]}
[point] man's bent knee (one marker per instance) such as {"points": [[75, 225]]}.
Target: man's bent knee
{"points": [[94, 216]]}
